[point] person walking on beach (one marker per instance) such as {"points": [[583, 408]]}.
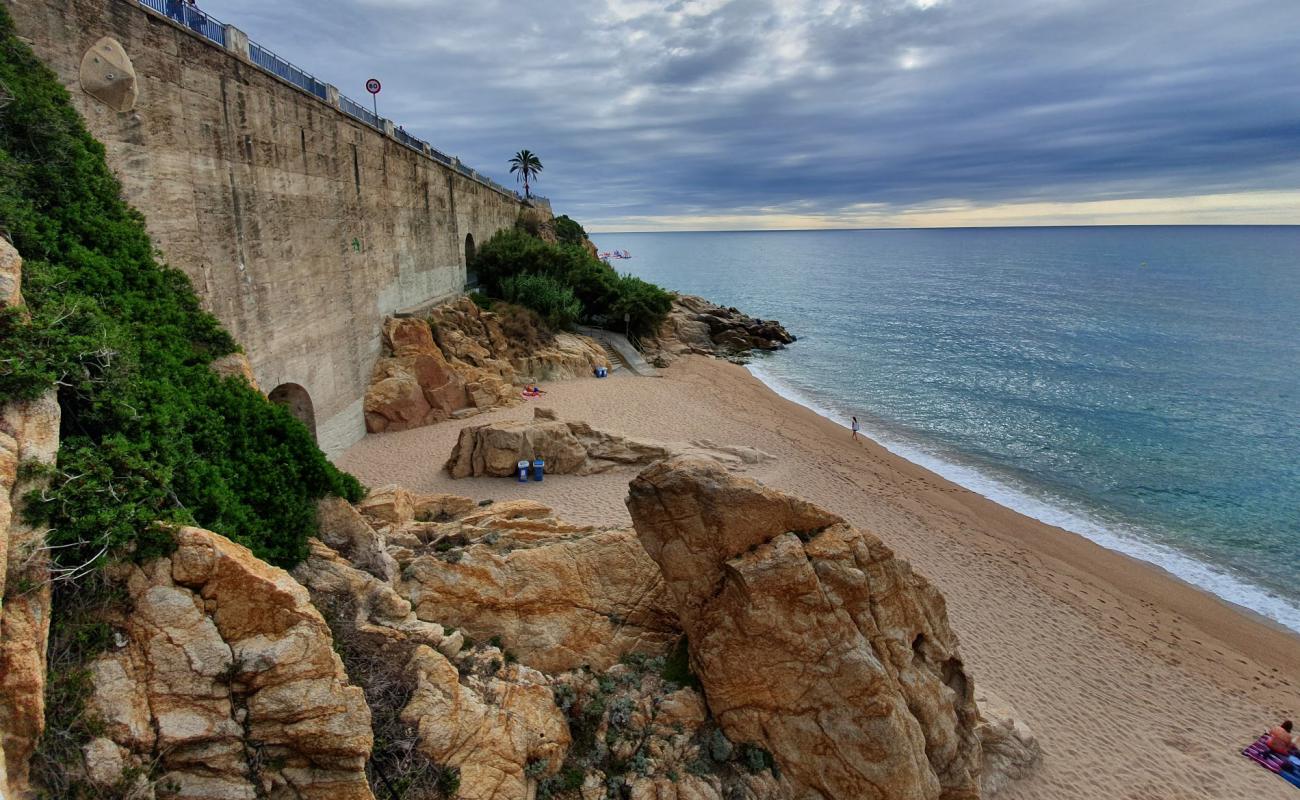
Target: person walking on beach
{"points": [[856, 428]]}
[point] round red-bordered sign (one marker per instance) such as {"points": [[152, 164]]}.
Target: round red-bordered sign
{"points": [[373, 86]]}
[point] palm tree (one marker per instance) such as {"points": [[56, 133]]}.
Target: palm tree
{"points": [[526, 166]]}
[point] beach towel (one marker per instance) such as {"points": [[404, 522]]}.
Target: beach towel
{"points": [[1266, 758]]}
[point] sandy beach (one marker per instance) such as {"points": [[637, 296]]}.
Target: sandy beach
{"points": [[1137, 685]]}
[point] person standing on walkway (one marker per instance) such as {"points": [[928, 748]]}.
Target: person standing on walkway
{"points": [[856, 428]]}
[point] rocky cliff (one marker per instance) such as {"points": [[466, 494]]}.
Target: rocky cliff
{"points": [[462, 360], [29, 439]]}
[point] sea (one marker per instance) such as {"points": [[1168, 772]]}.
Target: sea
{"points": [[1139, 386]]}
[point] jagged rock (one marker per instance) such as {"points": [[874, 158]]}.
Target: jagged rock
{"points": [[694, 325], [463, 358], [377, 612], [556, 596], [29, 435], [228, 681], [412, 384], [493, 728], [497, 723], [512, 345], [343, 528], [11, 275], [393, 505], [1010, 749], [811, 638], [572, 448]]}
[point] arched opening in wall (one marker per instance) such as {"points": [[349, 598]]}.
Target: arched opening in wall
{"points": [[295, 398], [471, 277]]}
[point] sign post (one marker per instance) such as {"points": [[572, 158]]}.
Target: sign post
{"points": [[373, 87]]}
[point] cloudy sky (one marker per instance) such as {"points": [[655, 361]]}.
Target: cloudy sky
{"points": [[722, 114]]}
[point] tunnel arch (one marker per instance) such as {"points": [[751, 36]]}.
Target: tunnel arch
{"points": [[295, 398], [471, 277]]}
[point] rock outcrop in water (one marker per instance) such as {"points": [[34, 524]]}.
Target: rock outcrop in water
{"points": [[463, 359], [573, 448], [695, 325], [811, 638]]}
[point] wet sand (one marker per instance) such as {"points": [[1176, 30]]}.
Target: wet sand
{"points": [[1137, 684]]}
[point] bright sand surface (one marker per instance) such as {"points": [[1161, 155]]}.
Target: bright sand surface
{"points": [[1137, 685]]}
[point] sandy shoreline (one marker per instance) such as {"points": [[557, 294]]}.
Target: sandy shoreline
{"points": [[1138, 685]]}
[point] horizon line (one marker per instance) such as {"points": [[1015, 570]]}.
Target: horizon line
{"points": [[967, 227]]}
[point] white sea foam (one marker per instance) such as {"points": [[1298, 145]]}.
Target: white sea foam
{"points": [[1125, 539]]}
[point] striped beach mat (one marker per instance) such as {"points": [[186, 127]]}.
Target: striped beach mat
{"points": [[1266, 758]]}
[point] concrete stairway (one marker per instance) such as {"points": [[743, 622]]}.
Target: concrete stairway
{"points": [[621, 352]]}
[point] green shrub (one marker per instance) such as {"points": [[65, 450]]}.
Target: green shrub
{"points": [[604, 296], [150, 433], [642, 302], [550, 298], [568, 231], [481, 300]]}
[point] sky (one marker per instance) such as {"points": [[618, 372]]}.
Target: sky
{"points": [[750, 114]]}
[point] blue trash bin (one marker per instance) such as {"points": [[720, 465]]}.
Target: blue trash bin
{"points": [[523, 472], [539, 468]]}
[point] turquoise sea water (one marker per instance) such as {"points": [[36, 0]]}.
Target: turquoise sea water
{"points": [[1138, 385]]}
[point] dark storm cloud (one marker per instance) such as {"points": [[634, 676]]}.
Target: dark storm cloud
{"points": [[641, 108]]}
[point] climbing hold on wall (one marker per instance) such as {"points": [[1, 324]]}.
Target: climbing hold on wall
{"points": [[108, 75]]}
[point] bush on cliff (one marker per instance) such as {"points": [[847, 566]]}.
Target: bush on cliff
{"points": [[605, 295], [149, 431], [548, 297], [569, 231]]}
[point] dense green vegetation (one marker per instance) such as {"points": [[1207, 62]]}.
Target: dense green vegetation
{"points": [[547, 296], [150, 433], [604, 295]]}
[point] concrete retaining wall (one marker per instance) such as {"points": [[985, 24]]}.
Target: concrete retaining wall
{"points": [[300, 227]]}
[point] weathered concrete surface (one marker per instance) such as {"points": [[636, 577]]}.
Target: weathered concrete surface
{"points": [[300, 227]]}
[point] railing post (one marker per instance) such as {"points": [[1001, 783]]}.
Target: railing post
{"points": [[332, 94], [388, 128], [237, 42]]}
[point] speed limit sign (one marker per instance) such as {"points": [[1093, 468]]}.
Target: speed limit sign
{"points": [[373, 86]]}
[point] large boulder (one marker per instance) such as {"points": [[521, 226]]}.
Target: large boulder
{"points": [[226, 682], [29, 436], [464, 359], [556, 596], [1009, 747], [811, 638], [412, 384], [572, 448]]}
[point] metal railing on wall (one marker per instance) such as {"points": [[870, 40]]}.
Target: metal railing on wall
{"points": [[188, 15], [357, 111], [212, 29], [278, 66]]}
